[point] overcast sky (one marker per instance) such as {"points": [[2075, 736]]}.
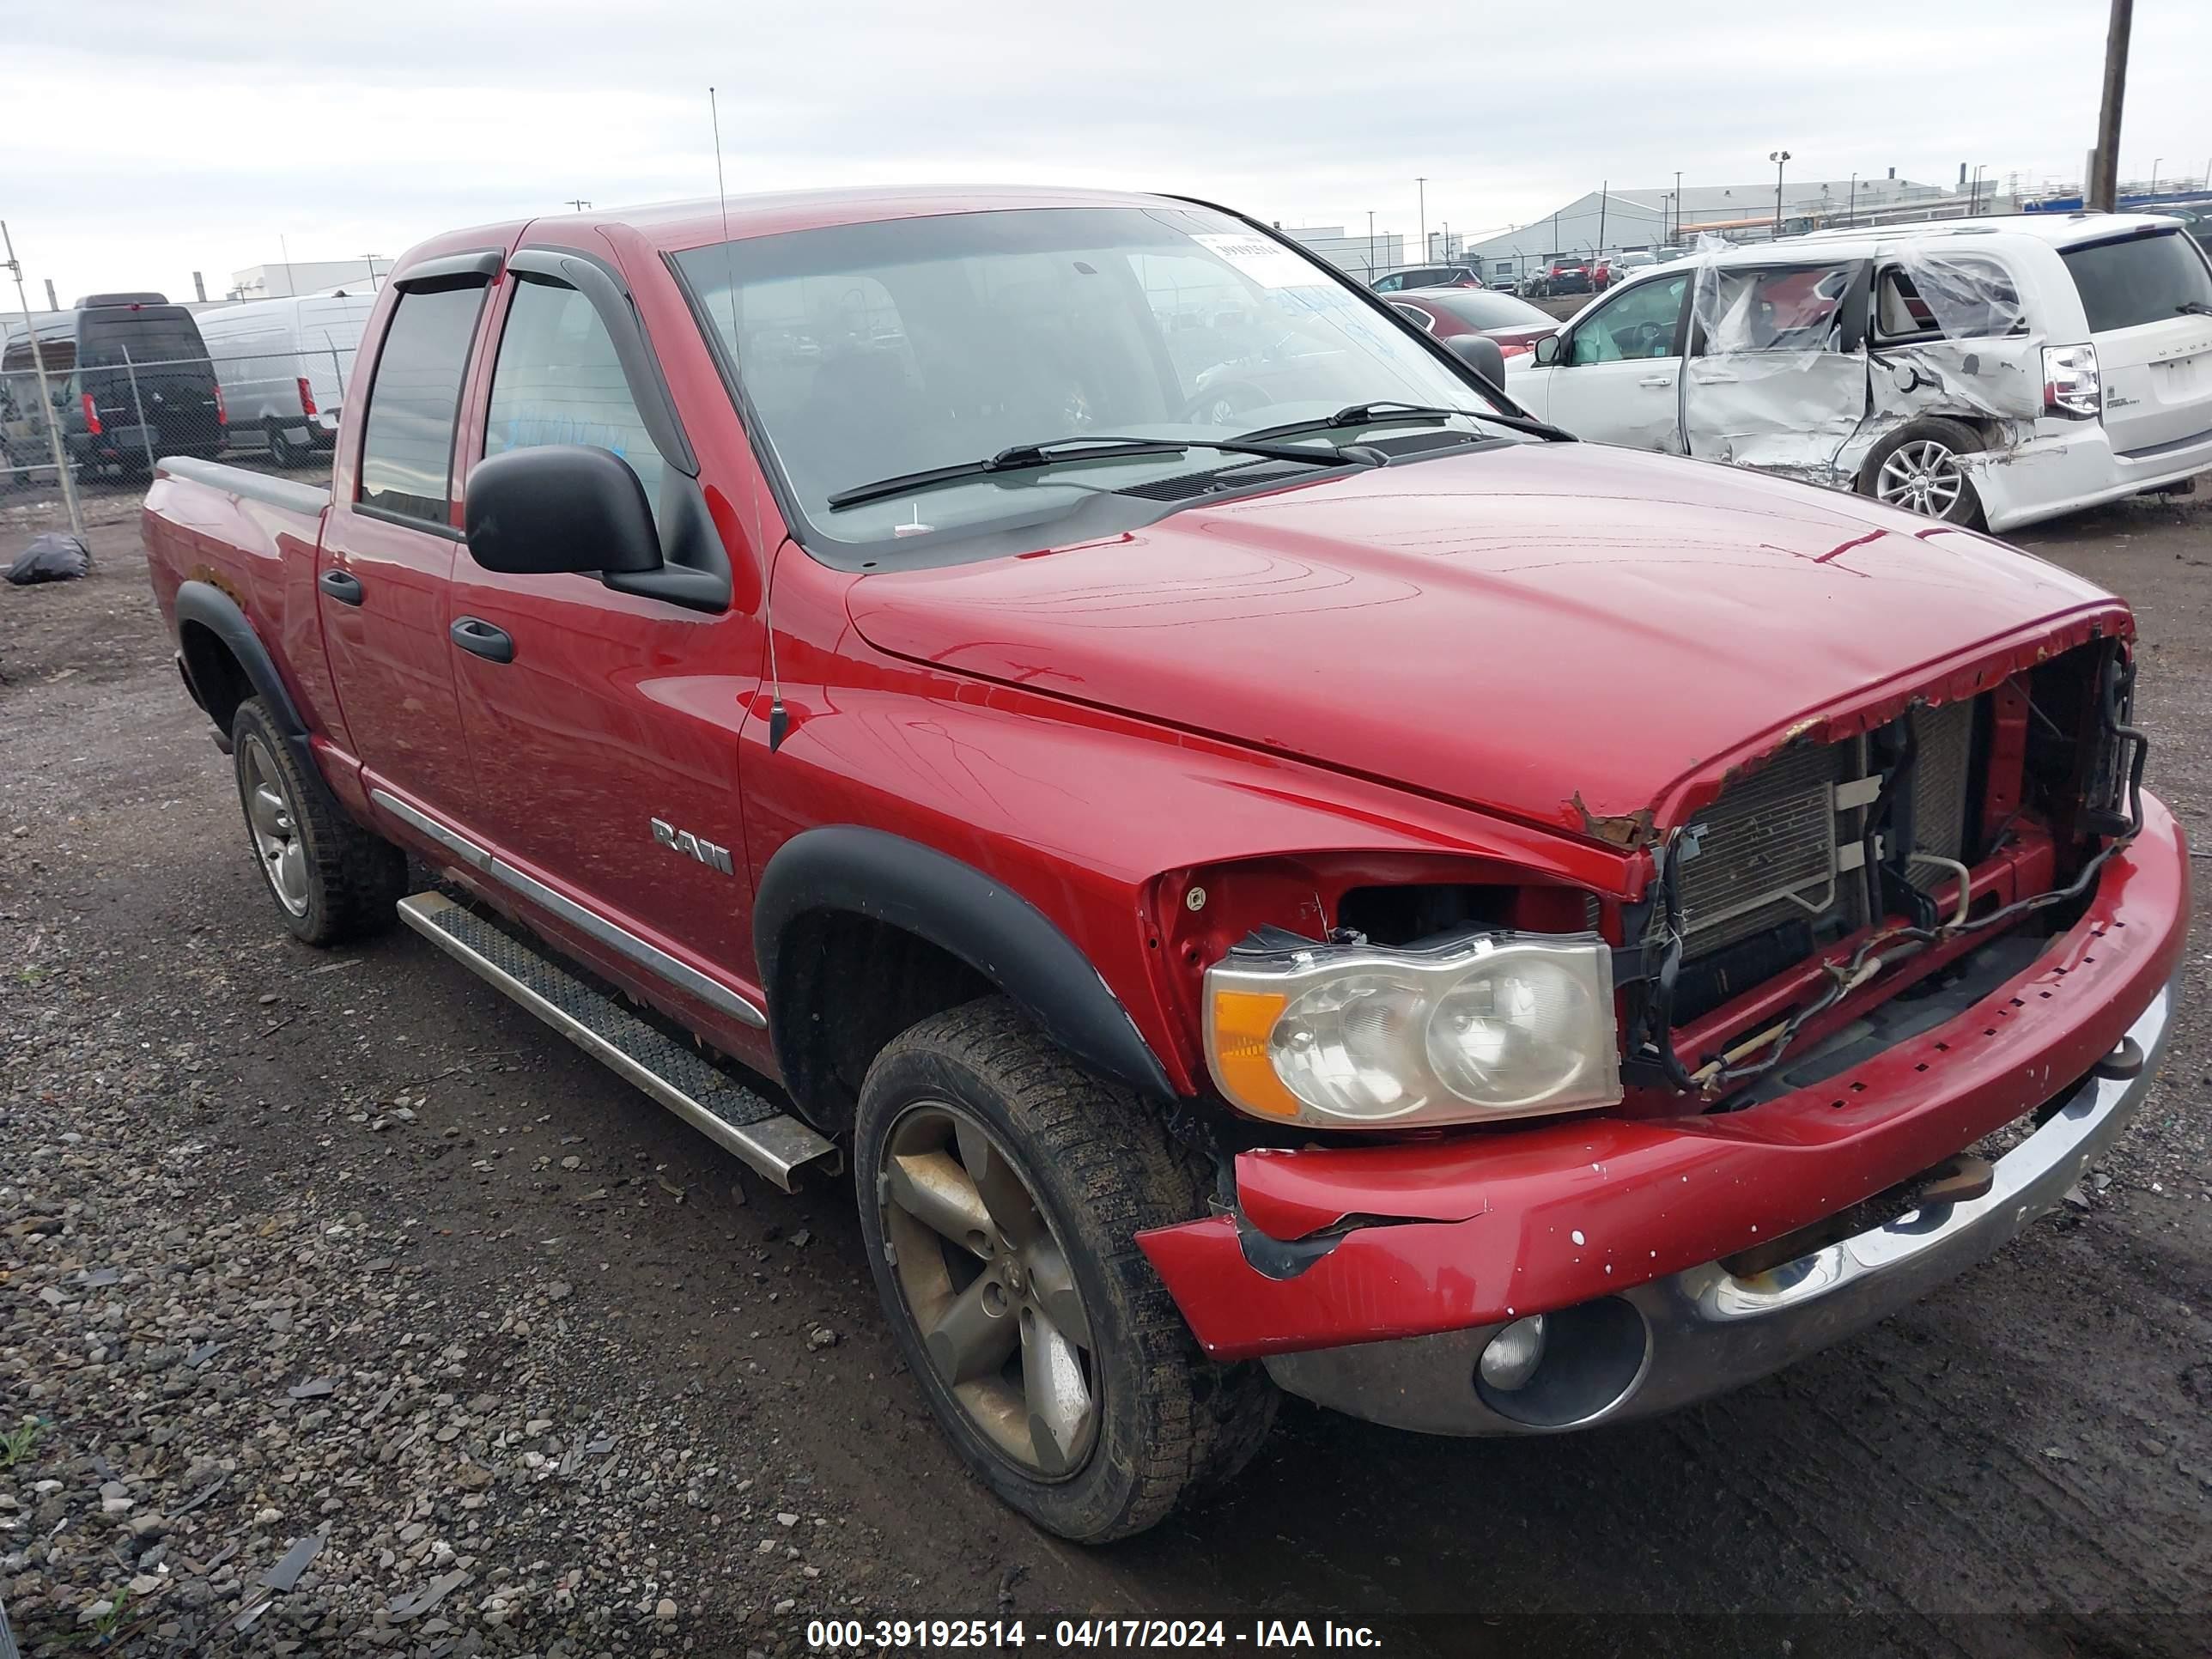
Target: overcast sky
{"points": [[144, 139]]}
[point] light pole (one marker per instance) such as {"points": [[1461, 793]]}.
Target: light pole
{"points": [[2155, 166], [1421, 194], [1851, 212], [370, 260], [1677, 236], [1370, 244], [1974, 191], [1777, 156]]}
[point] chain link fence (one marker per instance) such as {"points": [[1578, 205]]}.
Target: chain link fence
{"points": [[257, 385]]}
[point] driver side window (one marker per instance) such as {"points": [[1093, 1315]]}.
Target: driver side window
{"points": [[1640, 323]]}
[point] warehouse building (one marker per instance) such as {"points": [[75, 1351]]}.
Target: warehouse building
{"points": [[1353, 251], [277, 281], [1616, 222]]}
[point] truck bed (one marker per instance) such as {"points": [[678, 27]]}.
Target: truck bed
{"points": [[256, 539]]}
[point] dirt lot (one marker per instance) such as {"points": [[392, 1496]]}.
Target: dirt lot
{"points": [[294, 1245]]}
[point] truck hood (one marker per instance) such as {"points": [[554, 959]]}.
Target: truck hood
{"points": [[1565, 634]]}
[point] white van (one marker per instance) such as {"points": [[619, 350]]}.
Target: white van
{"points": [[283, 365], [1997, 371]]}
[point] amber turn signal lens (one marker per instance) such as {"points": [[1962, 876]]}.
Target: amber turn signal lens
{"points": [[1241, 1023]]}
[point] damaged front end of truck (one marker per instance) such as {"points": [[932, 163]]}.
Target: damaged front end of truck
{"points": [[1872, 996]]}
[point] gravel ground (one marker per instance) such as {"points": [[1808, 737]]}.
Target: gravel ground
{"points": [[345, 1303]]}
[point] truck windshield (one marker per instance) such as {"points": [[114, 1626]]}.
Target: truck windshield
{"points": [[873, 351]]}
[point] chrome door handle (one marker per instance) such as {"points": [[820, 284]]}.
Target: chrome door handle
{"points": [[1657, 380]]}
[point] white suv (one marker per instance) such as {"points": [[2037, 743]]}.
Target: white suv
{"points": [[1997, 371]]}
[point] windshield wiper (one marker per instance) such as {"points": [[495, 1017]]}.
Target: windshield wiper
{"points": [[1391, 412], [1063, 452], [2195, 308]]}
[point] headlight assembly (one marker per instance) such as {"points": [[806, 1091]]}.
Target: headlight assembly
{"points": [[1487, 1026]]}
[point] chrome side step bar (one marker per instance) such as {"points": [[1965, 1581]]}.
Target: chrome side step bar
{"points": [[712, 1102]]}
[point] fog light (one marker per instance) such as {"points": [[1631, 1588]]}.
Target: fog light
{"points": [[1514, 1354]]}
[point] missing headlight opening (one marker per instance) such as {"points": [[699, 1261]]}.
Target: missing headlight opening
{"points": [[1848, 861]]}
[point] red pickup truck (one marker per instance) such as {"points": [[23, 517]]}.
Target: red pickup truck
{"points": [[1341, 889]]}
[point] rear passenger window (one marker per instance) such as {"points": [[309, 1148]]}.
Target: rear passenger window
{"points": [[415, 402], [558, 382], [1936, 297]]}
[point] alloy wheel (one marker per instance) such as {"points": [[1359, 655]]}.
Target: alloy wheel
{"points": [[988, 1283], [274, 824], [1923, 476]]}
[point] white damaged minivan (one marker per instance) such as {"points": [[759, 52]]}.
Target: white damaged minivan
{"points": [[1993, 371]]}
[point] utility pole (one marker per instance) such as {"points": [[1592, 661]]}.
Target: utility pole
{"points": [[1777, 156], [45, 395], [2102, 190]]}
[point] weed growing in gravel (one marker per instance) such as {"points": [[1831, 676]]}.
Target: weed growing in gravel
{"points": [[15, 1443], [97, 1634]]}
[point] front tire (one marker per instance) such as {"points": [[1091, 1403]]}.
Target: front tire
{"points": [[1001, 1191], [332, 880], [1920, 467]]}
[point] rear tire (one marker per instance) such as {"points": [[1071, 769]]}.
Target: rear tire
{"points": [[332, 880], [282, 452], [974, 1107], [1917, 468]]}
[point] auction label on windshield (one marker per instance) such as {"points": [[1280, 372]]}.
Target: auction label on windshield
{"points": [[1074, 1635], [1268, 263]]}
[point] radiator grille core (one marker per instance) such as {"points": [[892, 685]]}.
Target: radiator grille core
{"points": [[1774, 848]]}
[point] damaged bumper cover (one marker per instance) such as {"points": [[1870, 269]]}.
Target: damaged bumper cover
{"points": [[1370, 1279], [2066, 470]]}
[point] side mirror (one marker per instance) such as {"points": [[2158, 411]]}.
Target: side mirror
{"points": [[1481, 354], [559, 507], [1548, 351]]}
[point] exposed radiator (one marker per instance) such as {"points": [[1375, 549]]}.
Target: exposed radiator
{"points": [[1776, 846]]}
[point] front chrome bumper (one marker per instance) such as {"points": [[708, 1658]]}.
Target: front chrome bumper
{"points": [[1704, 1330]]}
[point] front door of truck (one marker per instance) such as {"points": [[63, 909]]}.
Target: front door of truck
{"points": [[604, 724], [1776, 377], [1616, 377], [389, 544]]}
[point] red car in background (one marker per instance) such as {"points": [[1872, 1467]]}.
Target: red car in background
{"points": [[1515, 324]]}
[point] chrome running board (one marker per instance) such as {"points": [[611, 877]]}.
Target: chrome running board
{"points": [[712, 1102]]}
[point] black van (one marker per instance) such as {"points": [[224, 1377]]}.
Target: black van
{"points": [[130, 375]]}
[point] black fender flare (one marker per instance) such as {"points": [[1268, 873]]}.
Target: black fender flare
{"points": [[209, 607], [956, 907]]}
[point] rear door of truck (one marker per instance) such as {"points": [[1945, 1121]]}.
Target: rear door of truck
{"points": [[2147, 296], [393, 531]]}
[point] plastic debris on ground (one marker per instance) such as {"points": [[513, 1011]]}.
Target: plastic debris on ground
{"points": [[52, 558]]}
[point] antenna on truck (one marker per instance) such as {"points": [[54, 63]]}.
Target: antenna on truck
{"points": [[779, 719]]}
